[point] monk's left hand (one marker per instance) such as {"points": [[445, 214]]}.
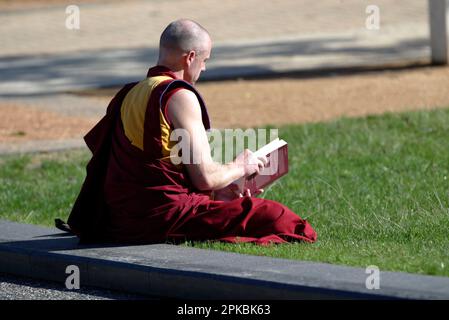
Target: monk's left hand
{"points": [[228, 194], [247, 192]]}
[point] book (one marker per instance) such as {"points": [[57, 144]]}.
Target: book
{"points": [[277, 155]]}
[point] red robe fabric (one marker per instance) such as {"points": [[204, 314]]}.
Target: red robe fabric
{"points": [[131, 196]]}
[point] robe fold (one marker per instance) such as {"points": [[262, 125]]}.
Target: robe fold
{"points": [[134, 194]]}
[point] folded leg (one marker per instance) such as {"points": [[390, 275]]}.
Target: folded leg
{"points": [[245, 219]]}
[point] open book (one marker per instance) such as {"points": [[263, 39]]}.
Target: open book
{"points": [[277, 154]]}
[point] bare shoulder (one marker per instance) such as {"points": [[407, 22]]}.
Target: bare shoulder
{"points": [[183, 106], [183, 96]]}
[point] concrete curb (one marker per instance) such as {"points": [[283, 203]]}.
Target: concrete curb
{"points": [[178, 272]]}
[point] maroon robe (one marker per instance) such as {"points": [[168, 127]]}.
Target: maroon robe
{"points": [[132, 196]]}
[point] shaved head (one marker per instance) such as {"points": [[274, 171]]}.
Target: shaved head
{"points": [[184, 47], [182, 36]]}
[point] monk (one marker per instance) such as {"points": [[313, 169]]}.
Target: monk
{"points": [[134, 193]]}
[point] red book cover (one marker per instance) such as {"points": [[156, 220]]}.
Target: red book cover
{"points": [[277, 155]]}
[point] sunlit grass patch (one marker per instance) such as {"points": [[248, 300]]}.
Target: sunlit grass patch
{"points": [[376, 189]]}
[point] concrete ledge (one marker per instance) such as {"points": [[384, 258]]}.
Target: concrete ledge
{"points": [[179, 272]]}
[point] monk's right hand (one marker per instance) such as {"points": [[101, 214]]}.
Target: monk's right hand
{"points": [[250, 162]]}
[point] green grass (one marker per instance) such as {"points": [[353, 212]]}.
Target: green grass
{"points": [[375, 189], [40, 187]]}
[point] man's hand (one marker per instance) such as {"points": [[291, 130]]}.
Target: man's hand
{"points": [[250, 163], [233, 191], [247, 192]]}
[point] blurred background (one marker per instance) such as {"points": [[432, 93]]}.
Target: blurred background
{"points": [[116, 39], [52, 67]]}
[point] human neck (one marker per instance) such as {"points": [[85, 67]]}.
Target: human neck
{"points": [[179, 72]]}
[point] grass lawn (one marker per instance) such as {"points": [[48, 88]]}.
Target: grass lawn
{"points": [[376, 190]]}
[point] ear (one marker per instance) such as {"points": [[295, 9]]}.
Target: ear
{"points": [[190, 57]]}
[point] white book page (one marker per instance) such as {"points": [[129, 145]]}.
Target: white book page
{"points": [[270, 147]]}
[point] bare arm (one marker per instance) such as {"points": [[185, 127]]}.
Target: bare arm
{"points": [[185, 112]]}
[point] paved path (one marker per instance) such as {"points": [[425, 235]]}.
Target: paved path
{"points": [[137, 24], [117, 41], [72, 71], [18, 288], [32, 146]]}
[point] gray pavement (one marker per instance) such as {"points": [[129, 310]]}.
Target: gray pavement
{"points": [[172, 271], [45, 75], [35, 146], [138, 23], [117, 41], [19, 288]]}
